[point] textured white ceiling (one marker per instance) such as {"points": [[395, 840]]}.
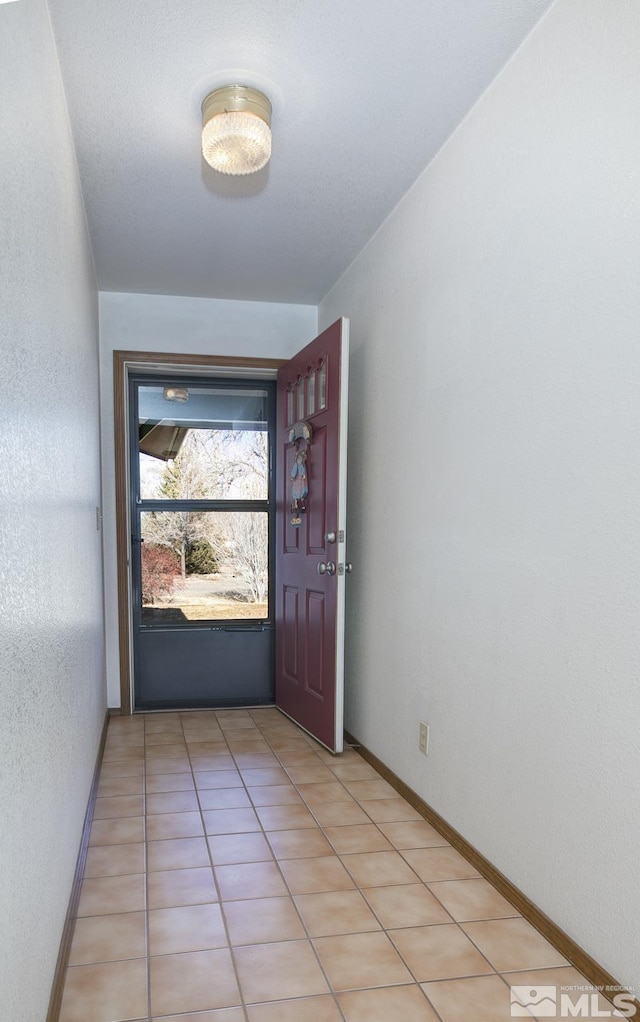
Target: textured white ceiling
{"points": [[366, 92]]}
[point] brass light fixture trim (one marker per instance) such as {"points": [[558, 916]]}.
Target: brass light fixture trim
{"points": [[236, 129]]}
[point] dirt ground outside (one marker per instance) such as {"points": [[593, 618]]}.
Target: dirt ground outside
{"points": [[222, 595]]}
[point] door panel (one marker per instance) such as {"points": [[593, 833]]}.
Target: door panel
{"points": [[204, 667], [309, 606]]}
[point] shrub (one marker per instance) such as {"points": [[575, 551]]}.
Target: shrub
{"points": [[160, 572], [200, 558]]}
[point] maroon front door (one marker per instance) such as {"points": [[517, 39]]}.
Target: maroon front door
{"points": [[310, 538]]}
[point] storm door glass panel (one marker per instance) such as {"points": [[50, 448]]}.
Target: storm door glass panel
{"points": [[203, 443], [204, 566]]}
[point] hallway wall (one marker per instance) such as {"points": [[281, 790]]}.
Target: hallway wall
{"points": [[51, 654], [493, 487], [199, 326]]}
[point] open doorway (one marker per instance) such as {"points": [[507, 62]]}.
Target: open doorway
{"points": [[208, 449]]}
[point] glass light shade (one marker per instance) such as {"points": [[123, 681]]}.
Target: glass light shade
{"points": [[236, 133]]}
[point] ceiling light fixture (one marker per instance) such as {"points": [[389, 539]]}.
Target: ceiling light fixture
{"points": [[236, 129], [175, 394]]}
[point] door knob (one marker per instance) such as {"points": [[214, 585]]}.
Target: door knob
{"points": [[348, 567], [330, 537], [327, 568]]}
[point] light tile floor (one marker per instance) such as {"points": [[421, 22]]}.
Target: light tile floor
{"points": [[237, 872]]}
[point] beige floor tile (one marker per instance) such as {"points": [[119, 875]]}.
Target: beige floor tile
{"points": [[316, 773], [274, 795], [335, 912], [230, 821], [174, 825], [390, 810], [203, 746], [221, 1015], [439, 952], [407, 1003], [123, 768], [168, 765], [186, 928], [180, 853], [114, 860], [197, 981], [170, 888], [176, 750], [270, 972], [120, 786], [299, 844], [262, 921], [285, 817], [439, 864], [170, 782], [340, 814], [287, 741], [162, 722], [412, 834], [224, 798], [122, 753], [467, 900], [217, 779], [308, 1009], [247, 747], [377, 869], [250, 880], [361, 960], [117, 832], [172, 802], [155, 738], [268, 775], [255, 760], [372, 789], [106, 895], [211, 761], [108, 938], [483, 999], [311, 876], [513, 944], [302, 755], [406, 905], [362, 838], [229, 848], [353, 770], [332, 791], [105, 992]]}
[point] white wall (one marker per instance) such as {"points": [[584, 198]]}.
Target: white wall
{"points": [[197, 326], [51, 654], [493, 484]]}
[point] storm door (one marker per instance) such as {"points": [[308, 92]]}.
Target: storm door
{"points": [[201, 512]]}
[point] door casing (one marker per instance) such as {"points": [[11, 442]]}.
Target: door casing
{"points": [[174, 364]]}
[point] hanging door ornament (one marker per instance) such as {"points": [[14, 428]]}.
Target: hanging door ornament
{"points": [[300, 436]]}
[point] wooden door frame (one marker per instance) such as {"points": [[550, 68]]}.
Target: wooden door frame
{"points": [[125, 362]]}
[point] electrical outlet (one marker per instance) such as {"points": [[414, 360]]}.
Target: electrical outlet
{"points": [[423, 741]]}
